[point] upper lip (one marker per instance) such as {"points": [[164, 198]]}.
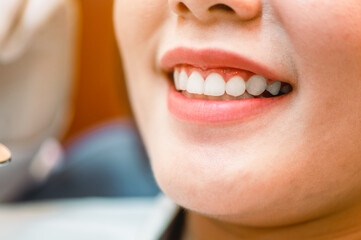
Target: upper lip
{"points": [[213, 58]]}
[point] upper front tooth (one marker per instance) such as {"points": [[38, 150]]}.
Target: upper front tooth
{"points": [[214, 85], [195, 83], [256, 85], [274, 88], [183, 80], [235, 86], [176, 79]]}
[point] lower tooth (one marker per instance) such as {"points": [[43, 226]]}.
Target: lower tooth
{"points": [[214, 98], [192, 95], [245, 96], [228, 97]]}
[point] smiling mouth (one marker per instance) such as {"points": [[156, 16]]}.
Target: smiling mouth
{"points": [[215, 86], [225, 84]]}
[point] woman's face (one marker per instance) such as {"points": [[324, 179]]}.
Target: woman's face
{"points": [[257, 161]]}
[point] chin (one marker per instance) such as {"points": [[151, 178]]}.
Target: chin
{"points": [[254, 187]]}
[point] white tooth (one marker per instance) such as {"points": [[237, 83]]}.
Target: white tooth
{"points": [[256, 85], [235, 86], [183, 79], [176, 79], [274, 88], [214, 85], [195, 83]]}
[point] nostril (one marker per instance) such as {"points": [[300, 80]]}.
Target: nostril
{"points": [[181, 7], [221, 7]]}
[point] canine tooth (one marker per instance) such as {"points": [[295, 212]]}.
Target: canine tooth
{"points": [[214, 85], [274, 88], [183, 79], [195, 83], [286, 89], [235, 86], [176, 79], [256, 85], [213, 98]]}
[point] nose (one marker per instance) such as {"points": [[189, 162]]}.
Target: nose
{"points": [[207, 10]]}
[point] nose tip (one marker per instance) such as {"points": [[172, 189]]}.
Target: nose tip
{"points": [[206, 10]]}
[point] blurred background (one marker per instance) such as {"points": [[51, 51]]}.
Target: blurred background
{"points": [[99, 93], [64, 111]]}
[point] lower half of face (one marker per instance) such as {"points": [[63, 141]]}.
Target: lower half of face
{"points": [[294, 158]]}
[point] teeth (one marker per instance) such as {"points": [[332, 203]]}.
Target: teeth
{"points": [[236, 86], [182, 80], [176, 79], [274, 88], [256, 85], [216, 88], [214, 85], [195, 83]]}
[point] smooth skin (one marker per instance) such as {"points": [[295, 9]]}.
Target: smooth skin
{"points": [[290, 174]]}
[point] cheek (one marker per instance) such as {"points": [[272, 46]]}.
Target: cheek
{"points": [[321, 31], [138, 26], [326, 41], [137, 21]]}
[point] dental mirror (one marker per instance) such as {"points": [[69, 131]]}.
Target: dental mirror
{"points": [[5, 156]]}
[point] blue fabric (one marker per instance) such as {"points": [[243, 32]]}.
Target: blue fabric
{"points": [[109, 161]]}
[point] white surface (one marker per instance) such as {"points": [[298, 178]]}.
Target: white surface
{"points": [[88, 219]]}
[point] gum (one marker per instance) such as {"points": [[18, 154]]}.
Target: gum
{"points": [[226, 73]]}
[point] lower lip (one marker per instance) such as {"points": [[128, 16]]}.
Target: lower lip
{"points": [[207, 111]]}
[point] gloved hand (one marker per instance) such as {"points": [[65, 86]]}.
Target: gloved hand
{"points": [[19, 22], [37, 59]]}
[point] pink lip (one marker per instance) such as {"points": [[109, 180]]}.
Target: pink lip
{"points": [[213, 58], [208, 111]]}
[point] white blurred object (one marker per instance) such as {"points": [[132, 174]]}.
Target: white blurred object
{"points": [[9, 13], [37, 53], [88, 218], [46, 160], [20, 21]]}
